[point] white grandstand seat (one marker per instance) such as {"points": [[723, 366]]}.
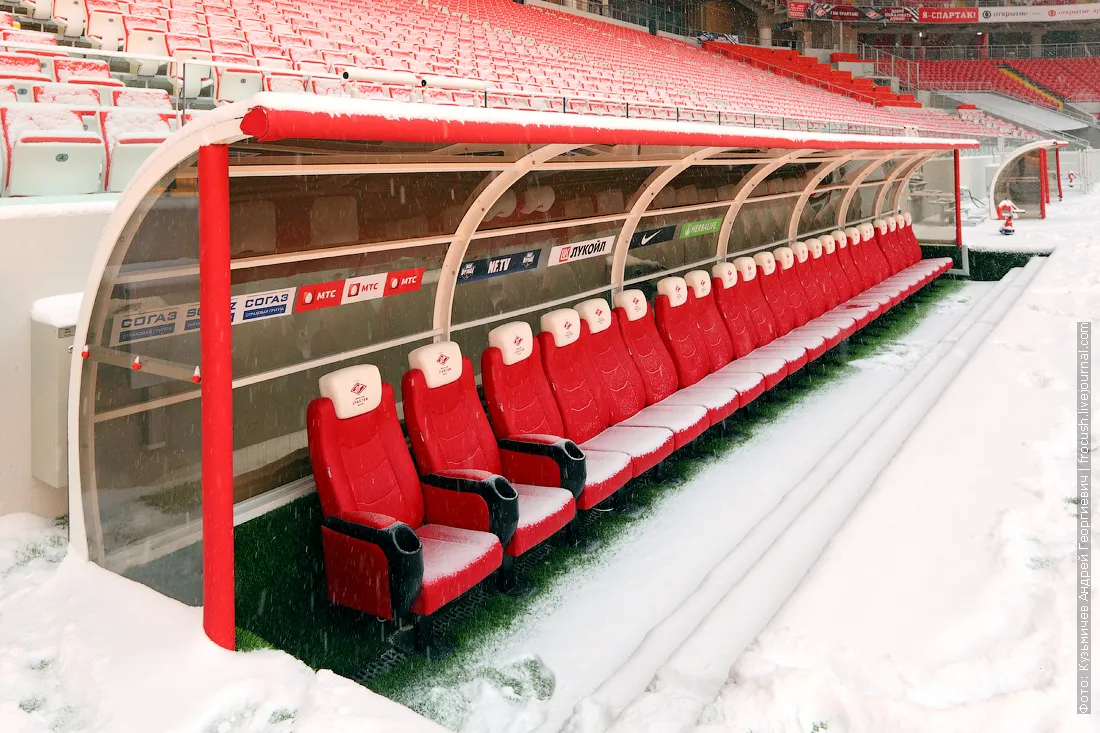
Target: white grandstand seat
{"points": [[131, 136], [141, 38], [70, 94], [190, 79], [49, 151], [22, 72], [103, 24], [141, 98], [234, 83]]}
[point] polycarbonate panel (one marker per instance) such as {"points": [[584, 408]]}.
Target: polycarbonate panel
{"points": [[668, 241], [1019, 182], [702, 184], [561, 195], [514, 271]]}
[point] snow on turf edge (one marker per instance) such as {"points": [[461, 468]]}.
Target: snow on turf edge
{"points": [[84, 649], [946, 601]]}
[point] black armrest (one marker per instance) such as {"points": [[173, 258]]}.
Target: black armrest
{"points": [[404, 556], [498, 494], [570, 458]]}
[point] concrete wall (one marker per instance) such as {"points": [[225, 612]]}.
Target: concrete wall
{"points": [[46, 249], [975, 173]]}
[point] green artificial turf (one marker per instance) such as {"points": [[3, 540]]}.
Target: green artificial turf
{"points": [[281, 593]]}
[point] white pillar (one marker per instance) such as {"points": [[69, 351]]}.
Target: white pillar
{"points": [[764, 34]]}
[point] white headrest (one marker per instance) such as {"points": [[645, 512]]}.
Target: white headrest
{"points": [[564, 325], [881, 225], [727, 273], [514, 341], [853, 234], [765, 261], [841, 238], [815, 245], [908, 219], [596, 313], [801, 251], [354, 390], [675, 289], [633, 302], [866, 232], [539, 198], [891, 222], [699, 282], [440, 363], [784, 256], [746, 268], [828, 243]]}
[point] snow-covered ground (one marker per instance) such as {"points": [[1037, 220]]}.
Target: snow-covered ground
{"points": [[83, 649], [946, 603], [941, 604]]}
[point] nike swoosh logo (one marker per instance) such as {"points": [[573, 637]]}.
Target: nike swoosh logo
{"points": [[646, 240]]}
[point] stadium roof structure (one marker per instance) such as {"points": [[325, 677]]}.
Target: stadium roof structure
{"points": [[312, 233]]}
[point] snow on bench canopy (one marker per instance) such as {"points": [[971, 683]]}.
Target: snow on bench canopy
{"points": [[59, 311]]}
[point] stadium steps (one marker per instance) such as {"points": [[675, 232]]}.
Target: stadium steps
{"points": [[1020, 78]]}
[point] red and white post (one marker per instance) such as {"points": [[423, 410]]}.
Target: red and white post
{"points": [[958, 201], [1058, 170], [218, 589], [1043, 183]]}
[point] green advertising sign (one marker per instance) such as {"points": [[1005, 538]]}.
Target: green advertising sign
{"points": [[699, 228]]}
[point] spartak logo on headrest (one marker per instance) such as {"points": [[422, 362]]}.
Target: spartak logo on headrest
{"points": [[677, 289], [358, 388], [518, 340], [599, 313], [568, 325], [636, 301], [442, 359]]}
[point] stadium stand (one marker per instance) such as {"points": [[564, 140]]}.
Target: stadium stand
{"points": [[526, 58], [977, 76], [628, 386], [1072, 79]]}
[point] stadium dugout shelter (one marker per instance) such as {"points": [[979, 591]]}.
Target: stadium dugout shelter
{"points": [[1028, 178], [313, 233]]}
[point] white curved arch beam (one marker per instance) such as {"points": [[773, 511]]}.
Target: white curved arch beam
{"points": [[895, 202], [746, 186], [494, 187], [1016, 155], [864, 172], [640, 202], [823, 170], [904, 164]]}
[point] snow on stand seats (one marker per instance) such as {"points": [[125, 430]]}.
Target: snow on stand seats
{"points": [[600, 396]]}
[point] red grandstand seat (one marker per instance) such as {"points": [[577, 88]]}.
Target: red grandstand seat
{"points": [[612, 364], [749, 293], [457, 454], [583, 401], [806, 325], [731, 308], [385, 553], [847, 263], [819, 294], [521, 407], [677, 315], [775, 294], [656, 366], [848, 319]]}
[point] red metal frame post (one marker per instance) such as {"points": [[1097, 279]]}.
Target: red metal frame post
{"points": [[1042, 183], [958, 201], [1058, 170], [219, 595]]}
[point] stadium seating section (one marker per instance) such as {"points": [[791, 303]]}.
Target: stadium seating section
{"points": [[530, 58], [1074, 80], [600, 396], [979, 75]]}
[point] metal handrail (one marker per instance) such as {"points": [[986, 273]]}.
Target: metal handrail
{"points": [[734, 117]]}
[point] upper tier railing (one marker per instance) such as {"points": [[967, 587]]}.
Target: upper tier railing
{"points": [[720, 113]]}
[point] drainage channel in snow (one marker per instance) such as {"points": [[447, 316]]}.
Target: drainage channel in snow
{"points": [[592, 621]]}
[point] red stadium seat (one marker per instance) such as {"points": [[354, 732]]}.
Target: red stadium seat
{"points": [[583, 401], [623, 384], [521, 406], [458, 457], [382, 556]]}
